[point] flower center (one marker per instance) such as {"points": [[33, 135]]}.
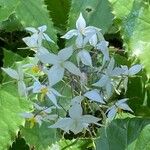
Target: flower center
{"points": [[32, 121], [35, 69]]}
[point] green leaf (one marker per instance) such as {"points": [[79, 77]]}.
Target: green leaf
{"points": [[10, 108], [10, 57], [143, 140], [96, 13], [34, 14], [135, 26], [39, 137], [119, 134], [59, 12], [7, 8]]}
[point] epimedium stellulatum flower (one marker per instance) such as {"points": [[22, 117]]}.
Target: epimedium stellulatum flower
{"points": [[59, 64], [106, 80], [35, 40], [19, 76], [82, 32], [129, 72], [46, 90], [77, 121], [120, 104], [39, 115]]}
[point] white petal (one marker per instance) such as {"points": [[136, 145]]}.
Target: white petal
{"points": [[89, 119], [80, 23], [70, 34], [72, 68], [77, 126], [31, 41], [94, 96], [65, 53], [22, 88], [63, 123], [117, 71], [109, 89], [85, 57], [110, 66], [112, 112], [125, 84], [75, 111], [121, 101], [26, 115], [11, 72], [79, 41], [135, 69], [55, 92], [46, 37], [55, 74], [77, 100], [124, 106], [93, 40], [102, 82], [31, 29], [42, 28], [52, 97], [37, 87], [49, 58]]}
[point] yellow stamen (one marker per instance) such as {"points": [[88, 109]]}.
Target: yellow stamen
{"points": [[35, 69], [119, 110], [32, 122], [44, 90]]}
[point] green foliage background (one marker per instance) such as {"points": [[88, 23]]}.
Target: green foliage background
{"points": [[128, 19]]}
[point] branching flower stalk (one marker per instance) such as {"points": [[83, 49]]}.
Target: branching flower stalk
{"points": [[71, 77]]}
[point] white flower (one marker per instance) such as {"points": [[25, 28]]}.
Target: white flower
{"points": [[60, 63], [128, 72], [50, 92], [121, 104], [94, 95], [32, 118], [76, 122], [19, 76], [82, 32], [103, 47], [35, 40], [106, 79]]}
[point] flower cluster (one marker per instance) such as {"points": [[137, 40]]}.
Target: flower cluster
{"points": [[86, 67]]}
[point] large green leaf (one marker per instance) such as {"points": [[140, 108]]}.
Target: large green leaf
{"points": [[143, 140], [39, 137], [120, 134], [10, 108], [35, 13], [7, 8], [59, 10], [135, 27], [96, 12]]}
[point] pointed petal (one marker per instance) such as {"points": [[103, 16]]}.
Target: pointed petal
{"points": [[70, 34], [63, 123], [31, 29], [22, 89], [75, 111], [93, 40], [55, 74], [85, 57], [124, 106], [94, 96], [80, 23], [110, 66], [79, 41], [90, 119], [65, 53], [109, 89], [42, 28], [72, 68], [48, 58], [52, 97], [46, 37], [112, 113], [77, 100], [135, 69], [11, 72], [102, 82]]}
